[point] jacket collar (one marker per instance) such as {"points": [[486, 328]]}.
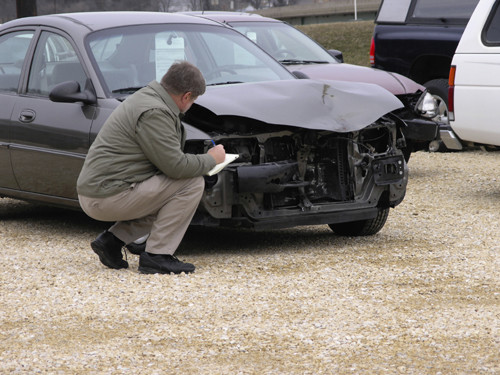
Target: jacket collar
{"points": [[165, 96]]}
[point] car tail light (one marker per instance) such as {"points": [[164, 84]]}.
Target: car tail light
{"points": [[451, 93], [372, 53]]}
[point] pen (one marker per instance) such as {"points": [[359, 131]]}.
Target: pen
{"points": [[213, 142]]}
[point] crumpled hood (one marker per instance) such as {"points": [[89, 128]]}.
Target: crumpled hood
{"points": [[393, 82], [322, 105]]}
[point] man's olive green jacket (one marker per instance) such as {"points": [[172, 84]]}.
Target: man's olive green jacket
{"points": [[142, 137]]}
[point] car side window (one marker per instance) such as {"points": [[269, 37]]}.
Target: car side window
{"points": [[13, 49], [120, 68], [55, 61], [491, 34], [432, 9]]}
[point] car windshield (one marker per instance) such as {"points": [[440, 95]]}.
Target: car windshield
{"points": [[284, 42], [128, 58]]}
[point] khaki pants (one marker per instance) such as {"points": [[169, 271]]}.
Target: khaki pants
{"points": [[159, 205]]}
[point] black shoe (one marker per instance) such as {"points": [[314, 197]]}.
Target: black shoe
{"points": [[163, 263], [136, 248], [109, 249]]}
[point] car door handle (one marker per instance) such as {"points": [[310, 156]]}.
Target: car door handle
{"points": [[27, 115]]}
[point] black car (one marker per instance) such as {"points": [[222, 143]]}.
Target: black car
{"points": [[310, 152], [417, 39]]}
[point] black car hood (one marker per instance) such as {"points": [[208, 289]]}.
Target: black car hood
{"points": [[322, 105]]}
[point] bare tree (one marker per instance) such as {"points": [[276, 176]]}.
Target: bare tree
{"points": [[257, 4], [164, 5], [25, 8], [200, 4], [219, 4], [195, 4], [227, 5], [206, 4], [282, 3]]}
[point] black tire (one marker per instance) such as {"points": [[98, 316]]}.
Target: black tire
{"points": [[438, 88], [362, 227]]}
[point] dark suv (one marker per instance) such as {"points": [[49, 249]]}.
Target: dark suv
{"points": [[417, 38]]}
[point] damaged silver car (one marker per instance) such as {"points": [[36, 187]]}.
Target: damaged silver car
{"points": [[310, 152], [308, 155]]}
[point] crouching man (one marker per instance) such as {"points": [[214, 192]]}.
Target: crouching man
{"points": [[137, 174]]}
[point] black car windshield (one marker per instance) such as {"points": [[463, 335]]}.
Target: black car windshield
{"points": [[130, 57], [284, 42]]}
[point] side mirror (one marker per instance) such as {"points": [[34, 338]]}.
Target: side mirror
{"points": [[337, 55], [69, 92]]}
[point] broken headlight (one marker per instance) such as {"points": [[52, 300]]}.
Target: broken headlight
{"points": [[427, 105]]}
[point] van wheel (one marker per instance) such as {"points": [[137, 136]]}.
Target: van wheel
{"points": [[362, 227], [438, 88]]}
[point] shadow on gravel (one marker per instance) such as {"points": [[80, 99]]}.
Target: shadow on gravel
{"points": [[490, 196], [14, 210], [417, 174], [198, 240]]}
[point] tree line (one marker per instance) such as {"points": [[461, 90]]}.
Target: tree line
{"points": [[25, 8]]}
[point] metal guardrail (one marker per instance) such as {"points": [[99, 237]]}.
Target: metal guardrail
{"points": [[332, 7]]}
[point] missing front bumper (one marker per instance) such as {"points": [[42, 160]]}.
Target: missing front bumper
{"points": [[388, 170]]}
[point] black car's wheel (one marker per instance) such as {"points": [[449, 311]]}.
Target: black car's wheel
{"points": [[438, 88], [362, 227]]}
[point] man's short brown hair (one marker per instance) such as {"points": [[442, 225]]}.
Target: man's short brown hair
{"points": [[183, 77]]}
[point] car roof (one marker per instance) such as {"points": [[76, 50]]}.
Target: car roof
{"points": [[105, 20], [228, 17]]}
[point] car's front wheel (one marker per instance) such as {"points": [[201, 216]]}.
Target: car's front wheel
{"points": [[362, 227]]}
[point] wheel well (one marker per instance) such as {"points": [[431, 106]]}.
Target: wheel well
{"points": [[426, 68]]}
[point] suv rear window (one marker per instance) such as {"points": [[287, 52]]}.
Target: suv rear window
{"points": [[443, 10], [393, 11], [426, 11]]}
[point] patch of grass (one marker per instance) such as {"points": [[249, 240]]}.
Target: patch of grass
{"points": [[352, 38]]}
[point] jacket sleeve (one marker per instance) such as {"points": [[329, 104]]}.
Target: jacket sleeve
{"points": [[159, 136]]}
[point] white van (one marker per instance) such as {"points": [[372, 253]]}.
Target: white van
{"points": [[474, 92]]}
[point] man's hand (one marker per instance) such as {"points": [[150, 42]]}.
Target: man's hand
{"points": [[218, 153]]}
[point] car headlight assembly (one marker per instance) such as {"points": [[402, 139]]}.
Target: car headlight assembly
{"points": [[427, 105]]}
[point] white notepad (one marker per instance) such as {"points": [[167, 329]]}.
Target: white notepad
{"points": [[219, 167]]}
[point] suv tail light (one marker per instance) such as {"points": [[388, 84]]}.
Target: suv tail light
{"points": [[372, 53], [451, 93]]}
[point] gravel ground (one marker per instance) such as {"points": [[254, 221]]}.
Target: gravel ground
{"points": [[420, 297]]}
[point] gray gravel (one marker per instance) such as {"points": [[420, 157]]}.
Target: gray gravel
{"points": [[420, 297]]}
